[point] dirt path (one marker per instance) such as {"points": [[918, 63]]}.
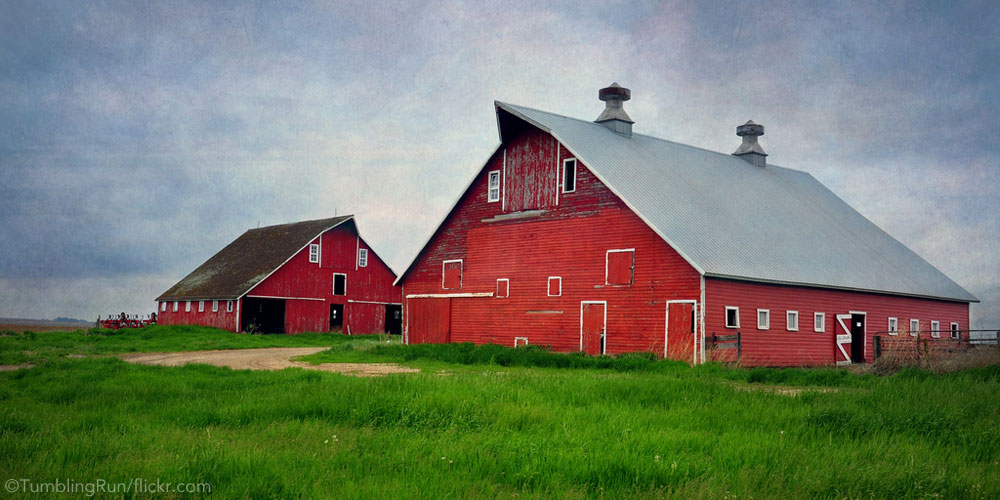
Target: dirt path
{"points": [[274, 358]]}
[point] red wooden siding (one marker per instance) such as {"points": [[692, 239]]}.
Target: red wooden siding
{"points": [[778, 346], [218, 319], [570, 240], [620, 267], [452, 275], [429, 320], [531, 174]]}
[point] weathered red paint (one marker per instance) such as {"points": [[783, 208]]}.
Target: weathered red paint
{"points": [[779, 346], [680, 331], [307, 288], [429, 320]]}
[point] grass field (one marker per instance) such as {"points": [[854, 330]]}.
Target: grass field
{"points": [[488, 422]]}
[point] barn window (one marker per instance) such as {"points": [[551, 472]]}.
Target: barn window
{"points": [[792, 318], [229, 306], [187, 306], [215, 306], [914, 327], [493, 192], [175, 305], [936, 329], [819, 322], [520, 341], [619, 267], [363, 257], [339, 284], [451, 274], [732, 317], [503, 288], [893, 326], [763, 319], [201, 306], [555, 286], [954, 331], [569, 176], [314, 253], [163, 306]]}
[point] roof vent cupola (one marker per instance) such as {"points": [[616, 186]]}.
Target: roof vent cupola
{"points": [[751, 150], [614, 116]]}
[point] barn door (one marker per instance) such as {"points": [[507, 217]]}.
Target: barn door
{"points": [[593, 332], [681, 323], [842, 339], [428, 321]]}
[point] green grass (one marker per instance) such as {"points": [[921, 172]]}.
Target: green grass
{"points": [[36, 347], [502, 426]]}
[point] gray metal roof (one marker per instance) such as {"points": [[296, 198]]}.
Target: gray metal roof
{"points": [[729, 218]]}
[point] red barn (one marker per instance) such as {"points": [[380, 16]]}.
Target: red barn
{"points": [[313, 276], [584, 236]]}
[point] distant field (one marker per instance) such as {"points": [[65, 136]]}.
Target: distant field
{"points": [[17, 325], [487, 423]]}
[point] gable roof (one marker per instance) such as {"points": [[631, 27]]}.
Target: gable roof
{"points": [[731, 219], [248, 260]]}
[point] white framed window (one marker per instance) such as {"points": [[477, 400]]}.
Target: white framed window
{"points": [[229, 306], [451, 274], [493, 190], [215, 306], [503, 288], [763, 319], [792, 321], [619, 267], [175, 305], [314, 253], [520, 341], [339, 284], [936, 329], [819, 322], [187, 306], [555, 286], [955, 333], [201, 306], [893, 326], [163, 306], [363, 257], [732, 317], [569, 175], [914, 327]]}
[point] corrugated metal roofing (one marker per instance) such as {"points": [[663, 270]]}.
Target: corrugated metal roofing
{"points": [[729, 218], [248, 260]]}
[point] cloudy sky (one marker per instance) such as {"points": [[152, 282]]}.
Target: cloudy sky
{"points": [[138, 138]]}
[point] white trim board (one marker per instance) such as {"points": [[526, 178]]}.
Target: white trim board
{"points": [[282, 298], [448, 295]]}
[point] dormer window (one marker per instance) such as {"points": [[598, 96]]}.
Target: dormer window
{"points": [[493, 193], [314, 253], [569, 175]]}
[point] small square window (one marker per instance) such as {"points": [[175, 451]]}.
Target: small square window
{"points": [[175, 305], [201, 306], [363, 257], [819, 322], [914, 327], [493, 192], [503, 288], [520, 341], [732, 317], [955, 332], [936, 329], [229, 306], [339, 284], [893, 326], [215, 306], [792, 318], [313, 253], [569, 175], [619, 267], [763, 319], [163, 306], [555, 286], [187, 306]]}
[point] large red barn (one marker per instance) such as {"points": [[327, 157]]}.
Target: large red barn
{"points": [[584, 236], [315, 276]]}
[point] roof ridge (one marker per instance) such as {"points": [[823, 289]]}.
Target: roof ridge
{"points": [[340, 217]]}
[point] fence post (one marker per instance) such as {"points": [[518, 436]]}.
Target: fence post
{"points": [[739, 346], [878, 346]]}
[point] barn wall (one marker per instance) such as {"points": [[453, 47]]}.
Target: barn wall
{"points": [[778, 346], [306, 316], [531, 172], [365, 318], [568, 240], [221, 319]]}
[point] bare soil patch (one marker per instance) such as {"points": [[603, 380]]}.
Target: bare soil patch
{"points": [[274, 358], [10, 368]]}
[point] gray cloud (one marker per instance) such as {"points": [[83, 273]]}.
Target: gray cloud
{"points": [[137, 140]]}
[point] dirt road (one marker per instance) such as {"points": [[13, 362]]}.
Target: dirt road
{"points": [[275, 358]]}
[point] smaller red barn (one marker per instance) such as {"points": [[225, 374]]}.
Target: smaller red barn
{"points": [[315, 275]]}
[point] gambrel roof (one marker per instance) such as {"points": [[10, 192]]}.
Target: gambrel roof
{"points": [[248, 260], [731, 219]]}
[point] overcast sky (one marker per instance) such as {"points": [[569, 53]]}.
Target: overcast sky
{"points": [[139, 138]]}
